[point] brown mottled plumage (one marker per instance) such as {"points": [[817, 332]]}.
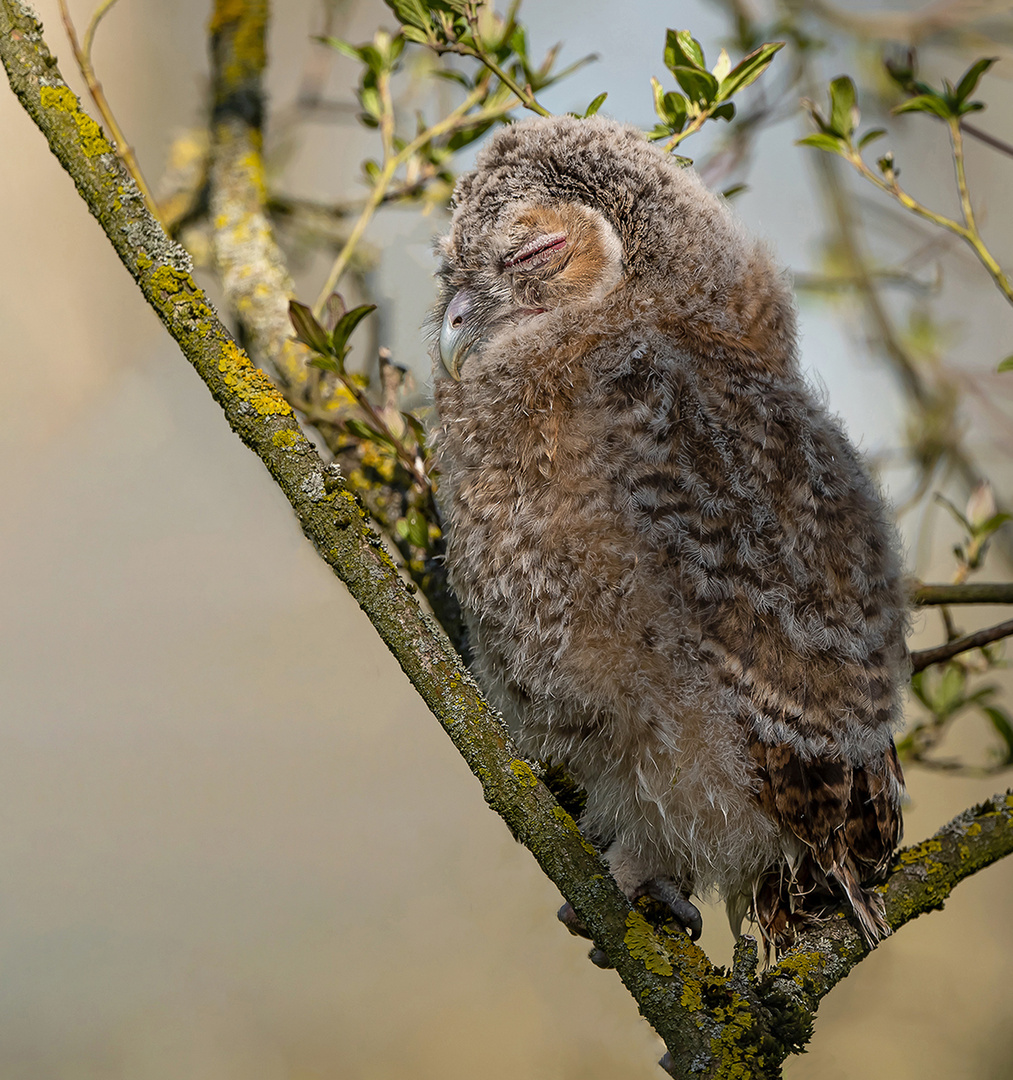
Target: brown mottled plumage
{"points": [[679, 580]]}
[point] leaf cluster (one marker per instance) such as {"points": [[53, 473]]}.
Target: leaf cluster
{"points": [[944, 692], [838, 128], [706, 94], [950, 103], [472, 28], [394, 436]]}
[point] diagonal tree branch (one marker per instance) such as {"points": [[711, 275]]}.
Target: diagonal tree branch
{"points": [[716, 1024]]}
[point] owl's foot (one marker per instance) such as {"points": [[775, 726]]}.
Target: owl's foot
{"points": [[572, 921], [668, 892]]}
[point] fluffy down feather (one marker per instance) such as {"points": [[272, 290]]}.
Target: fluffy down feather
{"points": [[679, 580]]}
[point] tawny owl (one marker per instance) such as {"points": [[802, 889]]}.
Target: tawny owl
{"points": [[679, 580]]}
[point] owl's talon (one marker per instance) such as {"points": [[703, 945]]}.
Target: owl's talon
{"points": [[599, 959], [572, 921], [667, 892]]}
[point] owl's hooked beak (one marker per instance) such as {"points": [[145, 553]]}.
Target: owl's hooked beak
{"points": [[457, 335]]}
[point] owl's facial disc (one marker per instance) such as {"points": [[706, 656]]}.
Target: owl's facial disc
{"points": [[549, 257]]}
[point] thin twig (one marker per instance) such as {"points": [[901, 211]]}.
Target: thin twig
{"points": [[83, 58], [989, 140], [461, 117], [967, 232], [923, 658]]}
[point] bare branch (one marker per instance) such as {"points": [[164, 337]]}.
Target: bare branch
{"points": [[923, 658], [984, 593]]}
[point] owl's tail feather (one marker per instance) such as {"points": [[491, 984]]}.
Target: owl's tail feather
{"points": [[788, 898], [867, 905]]}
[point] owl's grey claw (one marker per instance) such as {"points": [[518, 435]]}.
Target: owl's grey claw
{"points": [[599, 959], [667, 1064], [667, 892], [571, 920]]}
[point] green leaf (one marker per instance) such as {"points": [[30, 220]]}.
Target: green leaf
{"points": [[969, 80], [950, 693], [700, 86], [417, 427], [843, 109], [735, 189], [411, 13], [834, 144], [749, 69], [596, 104], [326, 363], [372, 58], [369, 97], [724, 112], [307, 329], [682, 50], [343, 47], [1000, 720], [417, 531], [869, 136], [675, 109], [996, 521], [413, 33], [346, 324], [1007, 364], [930, 103], [366, 431]]}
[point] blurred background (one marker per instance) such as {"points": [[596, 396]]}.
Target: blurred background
{"points": [[233, 842]]}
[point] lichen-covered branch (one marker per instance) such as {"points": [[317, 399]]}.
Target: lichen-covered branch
{"points": [[716, 1024], [255, 280]]}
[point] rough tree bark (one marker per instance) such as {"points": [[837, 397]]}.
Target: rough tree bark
{"points": [[715, 1023]]}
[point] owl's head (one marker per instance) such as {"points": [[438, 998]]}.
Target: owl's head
{"points": [[583, 215]]}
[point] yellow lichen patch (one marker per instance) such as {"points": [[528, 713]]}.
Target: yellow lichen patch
{"points": [[93, 142], [642, 944], [727, 1048], [973, 829], [285, 440], [801, 967], [250, 384], [561, 815], [524, 773], [692, 996], [918, 853]]}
